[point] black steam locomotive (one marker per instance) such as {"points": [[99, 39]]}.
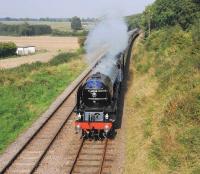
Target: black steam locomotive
{"points": [[98, 96]]}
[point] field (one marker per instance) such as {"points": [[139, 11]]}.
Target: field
{"points": [[48, 46], [62, 26], [27, 91], [45, 42]]}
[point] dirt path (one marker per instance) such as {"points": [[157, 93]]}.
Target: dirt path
{"points": [[53, 45], [14, 62]]}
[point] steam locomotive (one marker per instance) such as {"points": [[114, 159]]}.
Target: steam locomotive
{"points": [[98, 97]]}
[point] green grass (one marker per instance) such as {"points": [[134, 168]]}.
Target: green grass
{"points": [[27, 91], [165, 98]]}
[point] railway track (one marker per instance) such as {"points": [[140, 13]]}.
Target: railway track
{"points": [[29, 157], [91, 157]]}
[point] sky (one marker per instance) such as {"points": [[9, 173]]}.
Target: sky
{"points": [[69, 8]]}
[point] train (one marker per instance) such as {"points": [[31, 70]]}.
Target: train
{"points": [[97, 99]]}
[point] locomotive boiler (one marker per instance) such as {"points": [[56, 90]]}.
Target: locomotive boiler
{"points": [[98, 97]]}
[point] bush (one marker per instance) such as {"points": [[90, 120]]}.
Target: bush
{"points": [[69, 33], [7, 49], [81, 41], [62, 58]]}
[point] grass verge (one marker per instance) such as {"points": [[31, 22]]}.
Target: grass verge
{"points": [[163, 105], [27, 91]]}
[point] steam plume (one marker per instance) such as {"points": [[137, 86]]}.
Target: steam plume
{"points": [[109, 36]]}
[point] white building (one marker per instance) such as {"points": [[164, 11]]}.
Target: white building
{"points": [[26, 50]]}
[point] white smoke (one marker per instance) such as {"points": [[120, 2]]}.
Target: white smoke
{"points": [[109, 35]]}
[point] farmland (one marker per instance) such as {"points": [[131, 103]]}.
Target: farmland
{"points": [[45, 42], [61, 26], [48, 47]]}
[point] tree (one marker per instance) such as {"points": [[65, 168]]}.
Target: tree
{"points": [[172, 12], [134, 21], [76, 23]]}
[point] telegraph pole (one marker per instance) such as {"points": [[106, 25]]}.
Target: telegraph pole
{"points": [[149, 21]]}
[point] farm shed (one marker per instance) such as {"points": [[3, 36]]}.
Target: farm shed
{"points": [[26, 50]]}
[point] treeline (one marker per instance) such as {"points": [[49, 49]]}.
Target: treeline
{"points": [[47, 19], [164, 13], [7, 49], [169, 13], [24, 29]]}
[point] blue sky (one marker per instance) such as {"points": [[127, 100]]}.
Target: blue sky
{"points": [[69, 8]]}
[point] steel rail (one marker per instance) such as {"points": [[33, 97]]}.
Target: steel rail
{"points": [[103, 156], [77, 156]]}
